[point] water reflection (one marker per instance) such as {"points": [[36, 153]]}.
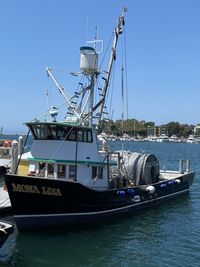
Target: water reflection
{"points": [[128, 241]]}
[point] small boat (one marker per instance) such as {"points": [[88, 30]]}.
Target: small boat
{"points": [[5, 205], [163, 138], [5, 152], [68, 178], [175, 139], [191, 139], [6, 229]]}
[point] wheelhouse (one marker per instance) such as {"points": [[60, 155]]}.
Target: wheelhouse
{"points": [[63, 151], [57, 131]]}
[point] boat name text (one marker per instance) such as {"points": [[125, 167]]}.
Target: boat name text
{"points": [[34, 189]]}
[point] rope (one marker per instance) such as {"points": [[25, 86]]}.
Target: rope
{"points": [[126, 70]]}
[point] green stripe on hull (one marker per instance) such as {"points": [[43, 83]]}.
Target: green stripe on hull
{"points": [[72, 161]]}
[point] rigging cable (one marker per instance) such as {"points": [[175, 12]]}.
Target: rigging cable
{"points": [[106, 51], [125, 63], [111, 96], [124, 95]]}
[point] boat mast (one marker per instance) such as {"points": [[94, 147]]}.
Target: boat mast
{"points": [[122, 88], [92, 79], [118, 30], [91, 99], [93, 73]]}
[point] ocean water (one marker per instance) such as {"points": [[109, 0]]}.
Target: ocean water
{"points": [[167, 235]]}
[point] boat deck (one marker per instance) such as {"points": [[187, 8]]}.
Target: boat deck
{"points": [[168, 175]]}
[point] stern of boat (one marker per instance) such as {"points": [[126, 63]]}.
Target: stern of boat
{"points": [[188, 177]]}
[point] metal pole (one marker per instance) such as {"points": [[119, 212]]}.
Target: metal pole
{"points": [[180, 166], [122, 108], [15, 171], [187, 165], [61, 90], [117, 31]]}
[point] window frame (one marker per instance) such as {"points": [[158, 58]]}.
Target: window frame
{"points": [[61, 132], [53, 173], [97, 172], [41, 171], [65, 171], [72, 172]]}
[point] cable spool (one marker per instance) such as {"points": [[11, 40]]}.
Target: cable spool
{"points": [[142, 168]]}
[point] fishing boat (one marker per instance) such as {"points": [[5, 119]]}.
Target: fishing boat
{"points": [[68, 178]]}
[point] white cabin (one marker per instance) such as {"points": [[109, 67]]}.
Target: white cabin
{"points": [[62, 151]]}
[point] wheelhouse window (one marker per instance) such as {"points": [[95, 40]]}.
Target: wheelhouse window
{"points": [[80, 136], [49, 131], [72, 172], [89, 136], [72, 135], [41, 131], [97, 172], [61, 171], [58, 132], [100, 172], [42, 167], [50, 170]]}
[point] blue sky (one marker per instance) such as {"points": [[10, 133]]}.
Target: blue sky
{"points": [[163, 55]]}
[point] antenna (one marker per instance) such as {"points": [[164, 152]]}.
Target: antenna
{"points": [[47, 99], [86, 34], [97, 43]]}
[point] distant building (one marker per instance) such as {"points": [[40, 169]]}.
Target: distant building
{"points": [[151, 130], [197, 130], [156, 130]]}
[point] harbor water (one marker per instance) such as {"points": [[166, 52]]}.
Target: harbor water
{"points": [[166, 235]]}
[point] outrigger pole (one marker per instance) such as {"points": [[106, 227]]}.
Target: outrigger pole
{"points": [[118, 30]]}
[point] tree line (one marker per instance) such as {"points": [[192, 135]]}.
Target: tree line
{"points": [[134, 127]]}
